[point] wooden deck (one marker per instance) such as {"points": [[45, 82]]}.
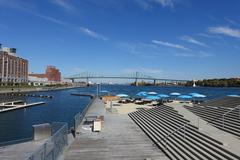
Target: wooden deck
{"points": [[121, 139], [19, 151]]}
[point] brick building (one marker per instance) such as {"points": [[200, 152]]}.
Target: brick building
{"points": [[13, 69], [53, 74]]}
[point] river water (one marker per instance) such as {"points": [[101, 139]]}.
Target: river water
{"points": [[62, 108]]}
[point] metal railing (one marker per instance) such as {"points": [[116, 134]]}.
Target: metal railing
{"points": [[54, 146], [79, 117], [223, 117], [180, 128]]}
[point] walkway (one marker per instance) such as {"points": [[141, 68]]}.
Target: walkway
{"points": [[120, 139]]}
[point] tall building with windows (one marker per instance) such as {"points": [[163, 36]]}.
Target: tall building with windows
{"points": [[13, 69]]}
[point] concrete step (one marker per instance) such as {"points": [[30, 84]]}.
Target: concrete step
{"points": [[202, 140], [216, 149], [218, 122], [150, 134], [218, 154], [190, 127], [220, 110], [169, 145], [215, 113], [193, 151], [159, 111], [214, 118], [178, 120], [226, 129], [170, 112]]}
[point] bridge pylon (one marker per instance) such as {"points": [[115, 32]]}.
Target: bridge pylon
{"points": [[154, 82], [136, 82], [136, 79]]}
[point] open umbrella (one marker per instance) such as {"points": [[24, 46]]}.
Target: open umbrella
{"points": [[152, 97], [175, 94], [199, 96], [185, 97], [152, 93], [104, 91], [141, 94], [233, 95], [163, 96], [122, 95], [194, 93]]}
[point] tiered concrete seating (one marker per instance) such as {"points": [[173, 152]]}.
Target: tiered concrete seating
{"points": [[228, 102], [176, 137], [214, 116]]}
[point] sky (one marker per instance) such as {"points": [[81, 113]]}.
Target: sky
{"points": [[179, 39]]}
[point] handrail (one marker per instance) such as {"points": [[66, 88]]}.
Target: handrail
{"points": [[223, 116], [184, 126], [79, 116], [53, 146]]}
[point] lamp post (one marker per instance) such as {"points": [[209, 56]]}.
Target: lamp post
{"points": [[98, 87]]}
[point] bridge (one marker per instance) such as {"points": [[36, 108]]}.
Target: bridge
{"points": [[134, 76]]}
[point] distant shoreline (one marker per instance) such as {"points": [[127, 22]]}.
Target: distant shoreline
{"points": [[39, 89]]}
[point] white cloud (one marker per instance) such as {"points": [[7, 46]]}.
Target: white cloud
{"points": [[167, 44], [92, 33], [51, 19], [165, 3], [66, 24], [225, 31], [144, 4], [192, 40], [233, 22], [65, 4], [140, 49], [142, 70], [147, 4], [200, 54]]}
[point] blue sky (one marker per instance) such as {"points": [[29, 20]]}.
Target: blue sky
{"points": [[182, 39]]}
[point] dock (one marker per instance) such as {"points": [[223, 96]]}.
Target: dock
{"points": [[14, 105], [83, 94]]}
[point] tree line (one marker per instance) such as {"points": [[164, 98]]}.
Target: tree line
{"points": [[224, 82]]}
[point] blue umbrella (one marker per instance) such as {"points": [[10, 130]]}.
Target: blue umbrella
{"points": [[199, 96], [141, 94], [233, 95], [192, 94], [152, 93], [163, 96], [175, 94], [122, 95], [185, 97], [152, 97], [104, 91]]}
